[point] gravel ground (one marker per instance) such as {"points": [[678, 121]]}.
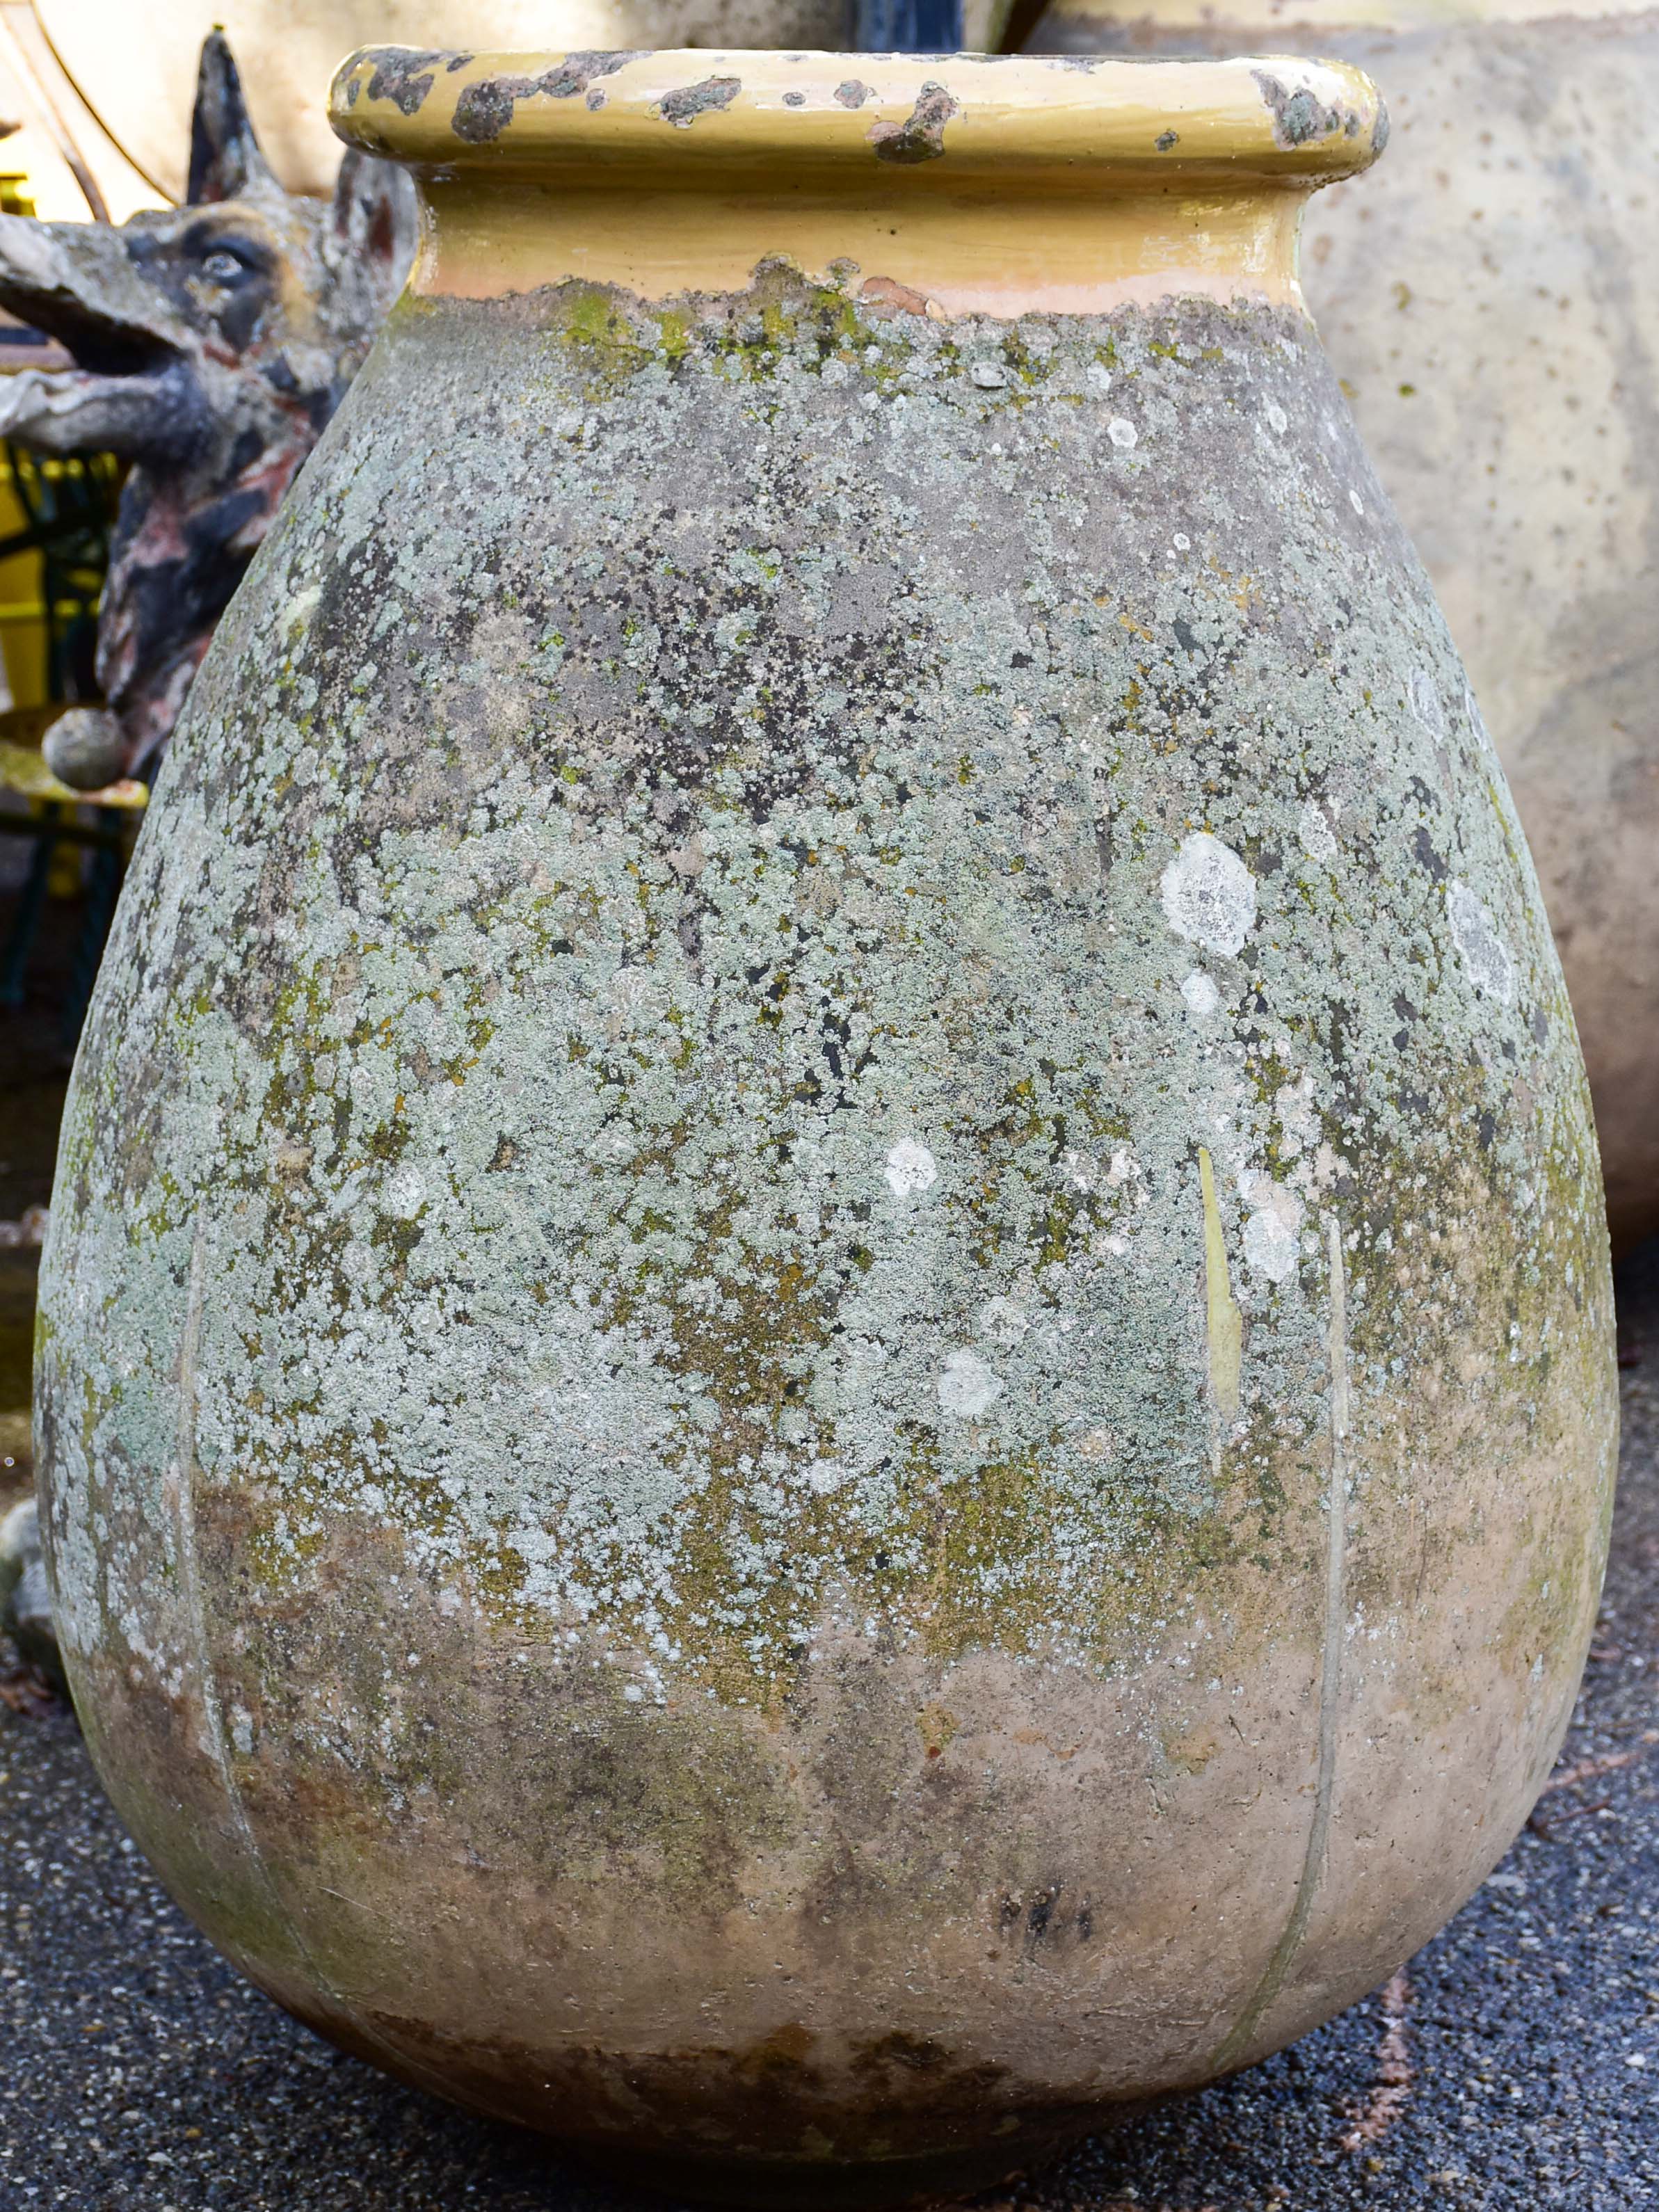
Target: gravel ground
{"points": [[1513, 2063]]}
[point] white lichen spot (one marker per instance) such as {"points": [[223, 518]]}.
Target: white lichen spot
{"points": [[633, 1694], [1097, 1443], [241, 1730], [299, 609], [1277, 421], [825, 1476], [405, 1192], [1182, 543], [1100, 377], [1080, 1169], [910, 1168], [1123, 1167], [1201, 994], [1476, 720], [1274, 1226], [1293, 1107], [1209, 895], [730, 631], [1485, 956], [633, 994], [1314, 832], [1355, 500], [1001, 1320], [1425, 702], [989, 375], [1122, 433], [967, 1387]]}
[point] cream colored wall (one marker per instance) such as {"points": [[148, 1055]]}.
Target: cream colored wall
{"points": [[134, 65], [74, 167]]}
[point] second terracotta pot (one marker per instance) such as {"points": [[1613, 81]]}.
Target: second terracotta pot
{"points": [[1491, 301]]}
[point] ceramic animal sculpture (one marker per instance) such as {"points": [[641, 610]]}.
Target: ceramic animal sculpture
{"points": [[213, 341]]}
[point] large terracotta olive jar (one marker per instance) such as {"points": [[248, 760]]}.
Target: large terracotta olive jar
{"points": [[1491, 303], [825, 1366]]}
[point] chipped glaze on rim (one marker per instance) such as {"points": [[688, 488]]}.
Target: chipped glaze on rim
{"points": [[956, 117], [967, 184]]}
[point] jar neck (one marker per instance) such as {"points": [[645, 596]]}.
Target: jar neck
{"points": [[991, 253]]}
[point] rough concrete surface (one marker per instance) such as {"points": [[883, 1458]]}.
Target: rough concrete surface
{"points": [[1515, 2065]]}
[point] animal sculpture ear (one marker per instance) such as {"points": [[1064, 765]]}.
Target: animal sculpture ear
{"points": [[225, 160], [376, 222]]}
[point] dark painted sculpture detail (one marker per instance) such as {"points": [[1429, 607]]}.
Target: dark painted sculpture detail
{"points": [[213, 342]]}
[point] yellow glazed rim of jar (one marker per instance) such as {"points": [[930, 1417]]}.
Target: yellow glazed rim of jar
{"points": [[1083, 124]]}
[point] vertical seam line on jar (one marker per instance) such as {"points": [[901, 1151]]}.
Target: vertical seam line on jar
{"points": [[1330, 1673]]}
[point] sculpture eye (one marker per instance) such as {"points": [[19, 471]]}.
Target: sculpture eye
{"points": [[221, 264]]}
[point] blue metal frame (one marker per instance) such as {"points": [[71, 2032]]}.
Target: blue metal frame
{"points": [[907, 27]]}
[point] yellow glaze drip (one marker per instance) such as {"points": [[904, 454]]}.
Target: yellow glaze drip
{"points": [[1226, 1324]]}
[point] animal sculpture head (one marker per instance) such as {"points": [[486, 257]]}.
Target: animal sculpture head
{"points": [[212, 344]]}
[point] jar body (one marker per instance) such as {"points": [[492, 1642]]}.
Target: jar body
{"points": [[1488, 301], [826, 1371]]}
